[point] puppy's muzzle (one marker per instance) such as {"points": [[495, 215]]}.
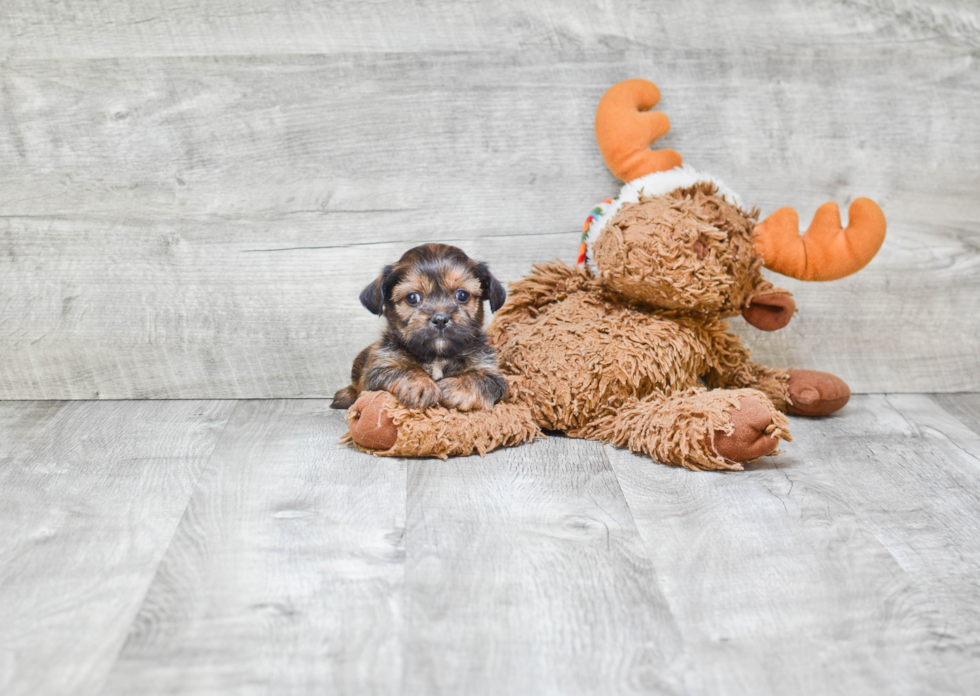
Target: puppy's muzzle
{"points": [[440, 321]]}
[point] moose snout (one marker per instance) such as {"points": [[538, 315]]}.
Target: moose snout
{"points": [[440, 321]]}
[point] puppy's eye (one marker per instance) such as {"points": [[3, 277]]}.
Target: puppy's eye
{"points": [[413, 298], [462, 296]]}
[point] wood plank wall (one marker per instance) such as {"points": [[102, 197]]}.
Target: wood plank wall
{"points": [[192, 194]]}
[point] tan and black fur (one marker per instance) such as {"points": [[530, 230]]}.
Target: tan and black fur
{"points": [[434, 349]]}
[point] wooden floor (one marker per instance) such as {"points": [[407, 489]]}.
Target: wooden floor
{"points": [[193, 195], [203, 547]]}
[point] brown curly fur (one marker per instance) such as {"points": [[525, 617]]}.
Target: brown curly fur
{"points": [[678, 251], [621, 356], [588, 357], [437, 432]]}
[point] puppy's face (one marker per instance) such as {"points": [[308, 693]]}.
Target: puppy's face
{"points": [[433, 299]]}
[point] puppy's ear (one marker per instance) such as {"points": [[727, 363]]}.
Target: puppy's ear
{"points": [[493, 289], [374, 295]]}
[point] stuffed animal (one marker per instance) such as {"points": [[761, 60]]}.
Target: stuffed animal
{"points": [[633, 350]]}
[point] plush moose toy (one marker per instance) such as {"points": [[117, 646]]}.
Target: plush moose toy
{"points": [[623, 353]]}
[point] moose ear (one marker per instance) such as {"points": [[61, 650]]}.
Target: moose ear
{"points": [[374, 295], [493, 289], [771, 311]]}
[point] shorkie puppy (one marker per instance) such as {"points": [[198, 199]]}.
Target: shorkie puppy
{"points": [[434, 350]]}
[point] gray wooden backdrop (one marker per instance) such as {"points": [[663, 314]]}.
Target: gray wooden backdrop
{"points": [[192, 194]]}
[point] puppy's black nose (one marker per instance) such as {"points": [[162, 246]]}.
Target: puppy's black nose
{"points": [[439, 320]]}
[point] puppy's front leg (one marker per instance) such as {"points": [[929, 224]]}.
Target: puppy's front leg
{"points": [[477, 390], [415, 389], [411, 385]]}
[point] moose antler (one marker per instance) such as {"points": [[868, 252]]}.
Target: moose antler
{"points": [[624, 130], [825, 252]]}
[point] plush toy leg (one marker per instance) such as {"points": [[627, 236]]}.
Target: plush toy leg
{"points": [[380, 425], [813, 393], [697, 429], [800, 392], [749, 375]]}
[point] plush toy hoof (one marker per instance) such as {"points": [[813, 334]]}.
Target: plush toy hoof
{"points": [[370, 425], [751, 438], [816, 393]]}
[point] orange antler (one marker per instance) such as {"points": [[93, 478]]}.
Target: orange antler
{"points": [[624, 130], [825, 252]]}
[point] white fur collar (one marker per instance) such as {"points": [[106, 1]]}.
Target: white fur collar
{"points": [[654, 184]]}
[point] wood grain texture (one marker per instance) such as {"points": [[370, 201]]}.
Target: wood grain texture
{"points": [[965, 408], [913, 472], [192, 197], [125, 28], [846, 565], [525, 575], [91, 494], [285, 573]]}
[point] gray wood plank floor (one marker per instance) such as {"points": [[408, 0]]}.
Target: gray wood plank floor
{"points": [[233, 547], [90, 496]]}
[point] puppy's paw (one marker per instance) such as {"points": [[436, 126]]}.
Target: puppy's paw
{"points": [[464, 395], [417, 392]]}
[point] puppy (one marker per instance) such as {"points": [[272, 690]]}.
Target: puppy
{"points": [[434, 350]]}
